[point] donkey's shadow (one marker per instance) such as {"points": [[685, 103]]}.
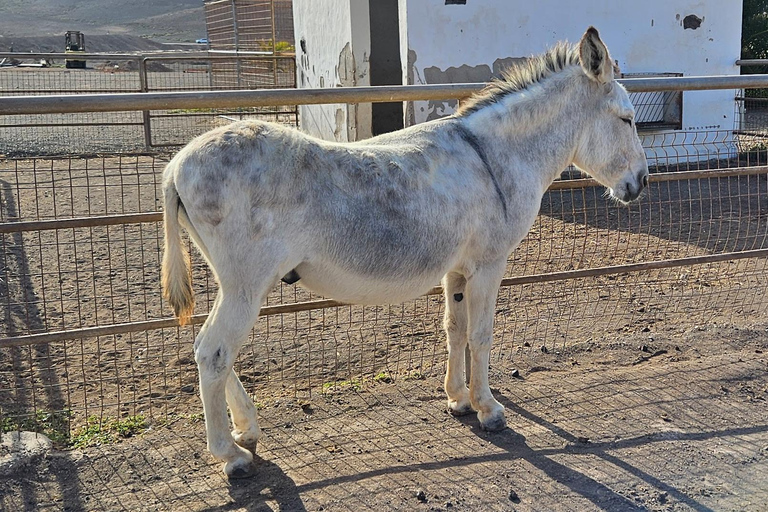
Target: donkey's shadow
{"points": [[269, 485], [598, 493]]}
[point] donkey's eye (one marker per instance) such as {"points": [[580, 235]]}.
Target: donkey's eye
{"points": [[627, 120]]}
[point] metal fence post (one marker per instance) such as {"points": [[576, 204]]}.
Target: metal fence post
{"points": [[147, 121]]}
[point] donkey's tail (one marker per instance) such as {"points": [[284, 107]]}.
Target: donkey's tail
{"points": [[176, 270]]}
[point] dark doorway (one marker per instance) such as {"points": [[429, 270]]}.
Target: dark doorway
{"points": [[385, 63]]}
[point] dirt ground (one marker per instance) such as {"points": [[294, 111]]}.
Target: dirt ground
{"points": [[639, 391], [670, 425]]}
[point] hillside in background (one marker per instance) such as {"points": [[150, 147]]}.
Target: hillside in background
{"points": [[169, 21]]}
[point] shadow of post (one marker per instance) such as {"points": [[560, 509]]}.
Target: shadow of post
{"points": [[24, 316]]}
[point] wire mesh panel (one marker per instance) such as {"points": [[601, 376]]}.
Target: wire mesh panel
{"points": [[105, 275], [131, 132], [250, 25], [655, 110], [752, 117], [218, 73], [56, 134]]}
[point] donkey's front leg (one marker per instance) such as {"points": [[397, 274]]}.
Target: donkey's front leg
{"points": [[455, 323], [482, 290]]}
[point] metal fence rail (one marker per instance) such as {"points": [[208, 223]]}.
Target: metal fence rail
{"points": [[85, 331], [66, 131]]}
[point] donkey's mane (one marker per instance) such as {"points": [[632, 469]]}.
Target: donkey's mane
{"points": [[521, 75]]}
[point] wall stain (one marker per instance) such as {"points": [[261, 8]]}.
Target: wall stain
{"points": [[347, 73], [692, 21], [462, 74], [410, 116], [339, 124], [346, 68]]}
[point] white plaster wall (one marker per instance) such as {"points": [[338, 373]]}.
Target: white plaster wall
{"points": [[336, 36], [645, 36]]}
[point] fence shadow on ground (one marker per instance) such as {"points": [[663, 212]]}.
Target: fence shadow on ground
{"points": [[23, 315]]}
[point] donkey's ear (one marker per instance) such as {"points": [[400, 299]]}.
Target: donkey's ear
{"points": [[594, 57]]}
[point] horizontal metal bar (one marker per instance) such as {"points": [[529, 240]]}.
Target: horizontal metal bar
{"points": [[752, 100], [77, 56], [80, 222], [751, 133], [660, 177], [219, 114], [215, 54], [136, 218], [635, 267], [694, 83], [73, 334], [226, 99], [752, 62], [64, 125], [37, 92], [10, 105], [221, 56]]}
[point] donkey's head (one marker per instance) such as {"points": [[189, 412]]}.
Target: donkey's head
{"points": [[609, 148]]}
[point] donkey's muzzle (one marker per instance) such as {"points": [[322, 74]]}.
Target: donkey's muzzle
{"points": [[634, 190]]}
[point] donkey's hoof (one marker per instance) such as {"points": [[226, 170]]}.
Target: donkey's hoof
{"points": [[458, 409], [492, 423], [247, 439], [240, 472], [241, 466]]}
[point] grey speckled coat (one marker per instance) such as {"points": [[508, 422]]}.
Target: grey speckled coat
{"points": [[383, 220]]}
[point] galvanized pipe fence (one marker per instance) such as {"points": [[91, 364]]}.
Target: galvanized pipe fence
{"points": [[146, 101], [706, 214], [141, 74]]}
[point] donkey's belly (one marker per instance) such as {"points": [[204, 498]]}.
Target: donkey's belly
{"points": [[354, 288]]}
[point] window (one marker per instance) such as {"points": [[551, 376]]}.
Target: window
{"points": [[657, 110]]}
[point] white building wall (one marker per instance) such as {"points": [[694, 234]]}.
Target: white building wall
{"points": [[459, 43], [332, 48]]}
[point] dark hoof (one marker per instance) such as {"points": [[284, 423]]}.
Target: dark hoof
{"points": [[494, 424], [460, 412], [241, 472]]}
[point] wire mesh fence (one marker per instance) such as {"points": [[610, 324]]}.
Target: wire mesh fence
{"points": [[82, 277], [569, 286], [253, 25], [131, 132]]}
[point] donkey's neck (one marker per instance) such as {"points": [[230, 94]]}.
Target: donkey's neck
{"points": [[536, 129]]}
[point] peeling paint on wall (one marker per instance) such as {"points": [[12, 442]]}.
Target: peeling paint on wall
{"points": [[692, 21], [501, 65], [462, 74], [339, 129], [346, 68]]}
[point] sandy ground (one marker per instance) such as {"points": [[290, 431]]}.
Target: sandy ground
{"points": [[679, 425]]}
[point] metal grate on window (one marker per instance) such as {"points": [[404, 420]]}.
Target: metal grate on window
{"points": [[657, 110]]}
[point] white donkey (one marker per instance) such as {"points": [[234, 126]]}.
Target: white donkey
{"points": [[382, 220]]}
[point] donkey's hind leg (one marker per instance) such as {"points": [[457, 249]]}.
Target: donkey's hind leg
{"points": [[233, 315], [246, 432], [455, 323]]}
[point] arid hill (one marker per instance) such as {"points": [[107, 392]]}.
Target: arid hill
{"points": [[168, 21]]}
